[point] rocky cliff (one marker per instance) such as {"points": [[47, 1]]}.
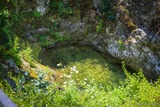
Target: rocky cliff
{"points": [[126, 30], [133, 37]]}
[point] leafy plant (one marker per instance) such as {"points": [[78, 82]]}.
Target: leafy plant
{"points": [[60, 8], [26, 54], [134, 91], [99, 26], [106, 8], [6, 39], [8, 43], [36, 14], [44, 41], [60, 38], [121, 45]]}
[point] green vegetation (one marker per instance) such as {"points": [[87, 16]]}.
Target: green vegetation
{"points": [[26, 54], [61, 38], [90, 65], [107, 9], [44, 41], [6, 39], [82, 77], [121, 44], [134, 91], [60, 8], [100, 26]]}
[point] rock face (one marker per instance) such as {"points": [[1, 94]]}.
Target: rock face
{"points": [[138, 47], [134, 36]]}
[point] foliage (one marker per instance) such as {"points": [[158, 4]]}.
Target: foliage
{"points": [[71, 92], [13, 52], [121, 45], [60, 8], [44, 41], [6, 39], [100, 26], [135, 91], [36, 14], [59, 38], [106, 8], [26, 54], [39, 83], [9, 44]]}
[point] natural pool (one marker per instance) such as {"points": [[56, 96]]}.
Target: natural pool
{"points": [[81, 64]]}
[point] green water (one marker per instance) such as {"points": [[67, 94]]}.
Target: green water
{"points": [[88, 65]]}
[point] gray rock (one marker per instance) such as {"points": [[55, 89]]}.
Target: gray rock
{"points": [[42, 31], [12, 65], [64, 24], [145, 49], [96, 3], [157, 69], [79, 25], [32, 38], [42, 5], [27, 34]]}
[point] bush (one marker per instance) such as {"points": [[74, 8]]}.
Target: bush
{"points": [[8, 44], [135, 91], [60, 8], [6, 39], [44, 41], [106, 8]]}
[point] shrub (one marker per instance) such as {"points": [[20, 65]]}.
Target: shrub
{"points": [[121, 44], [61, 38], [44, 41], [8, 43], [26, 54], [106, 8], [60, 8], [134, 91], [99, 26], [6, 39]]}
